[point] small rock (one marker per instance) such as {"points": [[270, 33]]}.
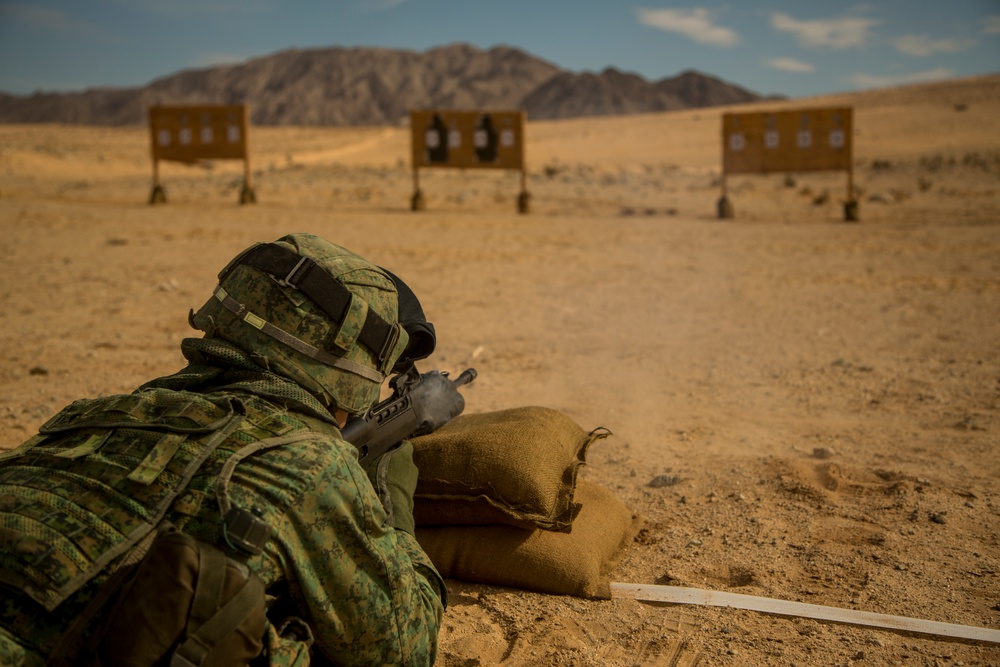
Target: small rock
{"points": [[38, 370], [969, 423], [661, 481], [823, 452], [938, 517]]}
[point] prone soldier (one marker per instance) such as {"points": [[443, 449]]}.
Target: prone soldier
{"points": [[217, 516]]}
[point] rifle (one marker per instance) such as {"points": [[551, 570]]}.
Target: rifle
{"points": [[419, 404]]}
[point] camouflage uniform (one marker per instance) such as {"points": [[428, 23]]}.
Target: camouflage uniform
{"points": [[254, 440]]}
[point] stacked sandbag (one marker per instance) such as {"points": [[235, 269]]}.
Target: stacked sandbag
{"points": [[498, 502]]}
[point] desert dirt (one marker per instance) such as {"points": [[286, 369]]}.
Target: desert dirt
{"points": [[820, 398]]}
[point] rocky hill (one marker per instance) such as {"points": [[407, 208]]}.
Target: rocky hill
{"points": [[615, 93], [370, 86]]}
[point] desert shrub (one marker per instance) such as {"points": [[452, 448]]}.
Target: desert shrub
{"points": [[932, 163], [881, 165], [985, 162]]}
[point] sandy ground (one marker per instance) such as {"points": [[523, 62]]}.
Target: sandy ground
{"points": [[825, 397]]}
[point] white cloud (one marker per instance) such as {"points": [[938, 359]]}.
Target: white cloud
{"points": [[790, 65], [925, 45], [992, 25], [875, 81], [839, 33], [694, 23]]}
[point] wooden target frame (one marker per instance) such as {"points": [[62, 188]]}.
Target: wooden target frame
{"points": [[816, 139], [192, 133], [483, 139]]}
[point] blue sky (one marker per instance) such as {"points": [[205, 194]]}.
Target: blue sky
{"points": [[794, 48]]}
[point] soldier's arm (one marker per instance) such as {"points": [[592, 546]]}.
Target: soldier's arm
{"points": [[372, 594]]}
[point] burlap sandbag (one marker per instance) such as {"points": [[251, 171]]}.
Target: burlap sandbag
{"points": [[575, 563], [516, 467]]}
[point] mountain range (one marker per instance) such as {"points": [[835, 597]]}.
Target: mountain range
{"points": [[374, 86]]}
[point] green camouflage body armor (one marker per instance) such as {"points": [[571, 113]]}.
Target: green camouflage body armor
{"points": [[103, 473]]}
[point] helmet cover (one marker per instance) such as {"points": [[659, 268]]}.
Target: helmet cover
{"points": [[291, 334]]}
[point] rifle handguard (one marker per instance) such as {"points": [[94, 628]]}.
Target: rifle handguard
{"points": [[419, 404]]}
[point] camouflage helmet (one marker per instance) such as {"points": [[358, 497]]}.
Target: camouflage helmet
{"points": [[313, 312]]}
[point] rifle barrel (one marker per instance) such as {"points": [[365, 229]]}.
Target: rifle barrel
{"points": [[467, 376]]}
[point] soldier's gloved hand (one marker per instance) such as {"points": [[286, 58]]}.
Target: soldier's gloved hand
{"points": [[394, 476]]}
